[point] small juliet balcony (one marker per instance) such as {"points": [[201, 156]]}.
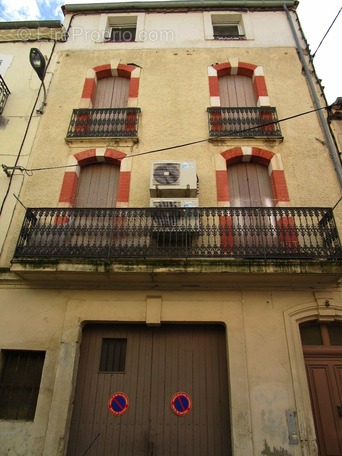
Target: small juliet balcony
{"points": [[202, 233], [240, 123], [104, 123], [4, 93]]}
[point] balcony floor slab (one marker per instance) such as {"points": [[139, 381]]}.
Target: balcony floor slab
{"points": [[181, 274]]}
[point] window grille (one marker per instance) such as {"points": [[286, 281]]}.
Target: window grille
{"points": [[20, 376], [113, 355]]}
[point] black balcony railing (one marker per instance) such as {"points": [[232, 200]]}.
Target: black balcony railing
{"points": [[4, 92], [104, 123], [80, 233], [244, 122]]}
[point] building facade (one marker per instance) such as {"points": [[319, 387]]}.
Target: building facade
{"points": [[173, 285], [21, 95]]}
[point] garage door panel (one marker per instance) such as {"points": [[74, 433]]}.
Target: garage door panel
{"points": [[136, 381], [199, 391], [82, 428]]}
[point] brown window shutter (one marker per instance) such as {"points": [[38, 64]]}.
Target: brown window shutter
{"points": [[98, 186], [236, 91]]}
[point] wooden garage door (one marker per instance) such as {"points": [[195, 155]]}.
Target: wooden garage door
{"points": [[150, 365]]}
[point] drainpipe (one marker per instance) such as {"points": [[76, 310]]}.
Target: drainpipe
{"points": [[331, 145]]}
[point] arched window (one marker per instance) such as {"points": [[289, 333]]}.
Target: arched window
{"points": [[241, 73], [239, 102], [271, 165], [99, 179], [108, 103], [98, 185]]}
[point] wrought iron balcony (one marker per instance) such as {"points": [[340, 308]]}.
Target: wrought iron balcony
{"points": [[4, 92], [104, 123], [244, 122], [260, 232]]}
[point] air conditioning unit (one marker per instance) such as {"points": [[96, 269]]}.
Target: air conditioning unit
{"points": [[175, 215], [173, 179], [174, 202]]}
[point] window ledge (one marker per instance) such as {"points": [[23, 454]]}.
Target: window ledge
{"points": [[102, 141]]}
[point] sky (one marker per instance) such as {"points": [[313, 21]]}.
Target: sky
{"points": [[316, 16]]}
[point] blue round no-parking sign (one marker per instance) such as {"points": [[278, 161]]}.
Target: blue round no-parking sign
{"points": [[118, 404], [181, 404]]}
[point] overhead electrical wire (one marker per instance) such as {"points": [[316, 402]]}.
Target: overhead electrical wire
{"points": [[326, 33], [29, 172]]}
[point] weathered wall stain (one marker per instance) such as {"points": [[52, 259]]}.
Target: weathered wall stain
{"points": [[275, 451]]}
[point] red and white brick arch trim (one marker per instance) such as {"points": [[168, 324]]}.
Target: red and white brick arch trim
{"points": [[115, 68], [99, 155], [256, 155], [235, 67]]}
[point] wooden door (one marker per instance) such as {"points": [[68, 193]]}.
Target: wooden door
{"points": [[154, 364], [253, 231], [322, 346]]}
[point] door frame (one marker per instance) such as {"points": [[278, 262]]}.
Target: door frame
{"points": [[324, 310], [147, 309]]}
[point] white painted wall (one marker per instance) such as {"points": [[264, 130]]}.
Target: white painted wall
{"points": [[179, 30]]}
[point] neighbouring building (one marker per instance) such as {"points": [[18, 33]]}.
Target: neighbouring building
{"points": [[335, 120], [170, 276], [21, 96]]}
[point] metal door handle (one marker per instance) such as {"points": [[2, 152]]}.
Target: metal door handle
{"points": [[339, 409]]}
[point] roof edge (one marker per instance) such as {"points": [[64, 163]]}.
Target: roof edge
{"points": [[30, 24], [224, 4]]}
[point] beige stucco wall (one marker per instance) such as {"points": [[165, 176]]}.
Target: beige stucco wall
{"points": [[258, 346], [173, 97]]}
